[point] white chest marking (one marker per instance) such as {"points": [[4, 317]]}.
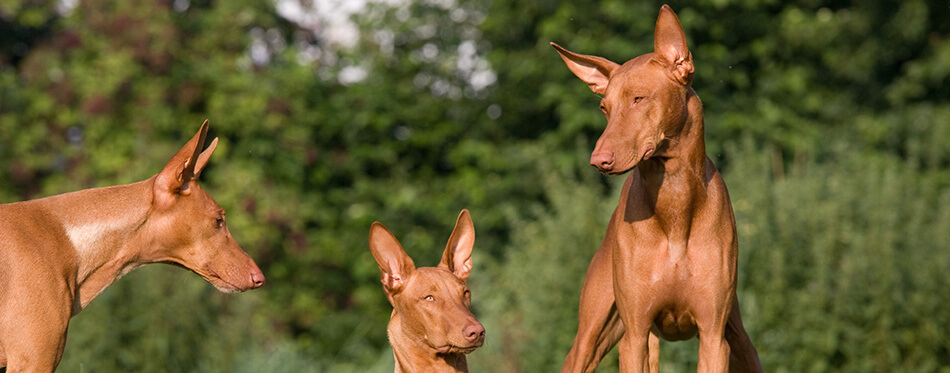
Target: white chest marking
{"points": [[89, 238]]}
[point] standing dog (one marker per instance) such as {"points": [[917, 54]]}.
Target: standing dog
{"points": [[431, 328], [60, 252], [667, 266]]}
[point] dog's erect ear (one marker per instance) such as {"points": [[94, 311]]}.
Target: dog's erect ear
{"points": [[176, 176], [593, 70], [669, 46], [394, 265], [458, 251], [203, 158]]}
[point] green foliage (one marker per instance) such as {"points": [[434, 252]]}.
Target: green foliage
{"points": [[854, 284], [828, 119]]}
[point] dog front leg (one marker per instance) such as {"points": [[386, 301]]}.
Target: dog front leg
{"points": [[599, 327]]}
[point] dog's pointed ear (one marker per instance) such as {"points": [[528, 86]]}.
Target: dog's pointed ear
{"points": [[669, 46], [457, 257], [176, 176], [394, 265], [203, 158], [593, 70]]}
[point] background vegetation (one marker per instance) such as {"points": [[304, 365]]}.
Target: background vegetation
{"points": [[830, 120]]}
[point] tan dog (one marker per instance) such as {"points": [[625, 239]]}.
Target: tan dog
{"points": [[667, 266], [60, 252], [431, 328]]}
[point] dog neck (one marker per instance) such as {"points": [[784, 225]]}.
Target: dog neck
{"points": [[684, 153], [671, 186], [102, 225], [414, 355]]}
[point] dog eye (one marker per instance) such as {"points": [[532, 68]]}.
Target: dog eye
{"points": [[429, 298], [467, 294], [603, 108], [637, 99], [219, 222]]}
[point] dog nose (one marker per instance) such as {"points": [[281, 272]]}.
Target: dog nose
{"points": [[603, 160], [257, 279], [474, 332]]}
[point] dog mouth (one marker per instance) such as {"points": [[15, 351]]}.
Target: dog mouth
{"points": [[648, 153], [632, 162], [452, 349], [220, 283], [212, 278]]}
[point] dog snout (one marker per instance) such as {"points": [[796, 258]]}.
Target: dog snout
{"points": [[603, 160], [257, 279], [474, 332]]}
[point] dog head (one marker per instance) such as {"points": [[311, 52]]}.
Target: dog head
{"points": [[644, 100], [432, 302]]}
